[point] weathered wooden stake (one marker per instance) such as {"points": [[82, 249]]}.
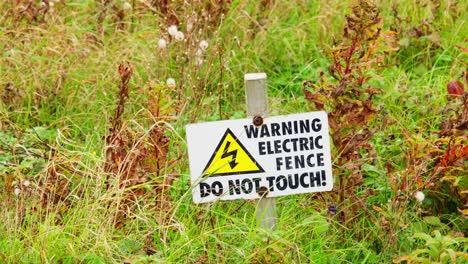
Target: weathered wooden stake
{"points": [[257, 109]]}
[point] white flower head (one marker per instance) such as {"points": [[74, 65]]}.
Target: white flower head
{"points": [[203, 45], [170, 82], [189, 27], [172, 30], [179, 36], [199, 61], [419, 196], [51, 4], [127, 6], [26, 183], [162, 43], [17, 191], [199, 52]]}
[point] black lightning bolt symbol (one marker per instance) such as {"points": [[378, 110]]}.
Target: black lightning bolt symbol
{"points": [[233, 153]]}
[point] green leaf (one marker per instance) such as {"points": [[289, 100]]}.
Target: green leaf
{"points": [[451, 254], [432, 220], [423, 236], [319, 222]]}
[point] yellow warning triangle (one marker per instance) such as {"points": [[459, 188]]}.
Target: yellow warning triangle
{"points": [[231, 157]]}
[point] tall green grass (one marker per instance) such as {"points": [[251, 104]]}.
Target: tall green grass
{"points": [[63, 73]]}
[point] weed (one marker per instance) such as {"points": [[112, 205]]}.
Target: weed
{"points": [[437, 166], [439, 249], [132, 160], [420, 34], [403, 172], [30, 11], [450, 167], [349, 100]]}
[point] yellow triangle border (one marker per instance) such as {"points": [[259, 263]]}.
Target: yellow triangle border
{"points": [[229, 132]]}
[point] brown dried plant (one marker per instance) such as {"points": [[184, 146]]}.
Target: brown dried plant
{"points": [[437, 166], [115, 142], [166, 10], [118, 15], [421, 33], [11, 96], [450, 152], [349, 99], [55, 187], [29, 10], [136, 162], [173, 12], [48, 193]]}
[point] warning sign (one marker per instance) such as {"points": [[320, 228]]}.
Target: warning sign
{"points": [[234, 159], [230, 157]]}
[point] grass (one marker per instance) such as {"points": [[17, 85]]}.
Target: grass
{"points": [[59, 86]]}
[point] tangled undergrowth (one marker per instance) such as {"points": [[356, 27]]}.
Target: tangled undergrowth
{"points": [[93, 166]]}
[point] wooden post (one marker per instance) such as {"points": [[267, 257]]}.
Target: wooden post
{"points": [[257, 109]]}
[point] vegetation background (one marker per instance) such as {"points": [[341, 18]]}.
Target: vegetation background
{"points": [[95, 96]]}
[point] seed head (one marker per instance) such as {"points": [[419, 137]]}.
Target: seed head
{"points": [[179, 36], [203, 45], [26, 183], [170, 82], [199, 61], [162, 43], [172, 30], [127, 6], [17, 191], [189, 27], [419, 196]]}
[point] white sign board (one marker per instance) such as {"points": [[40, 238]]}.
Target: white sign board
{"points": [[234, 159]]}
